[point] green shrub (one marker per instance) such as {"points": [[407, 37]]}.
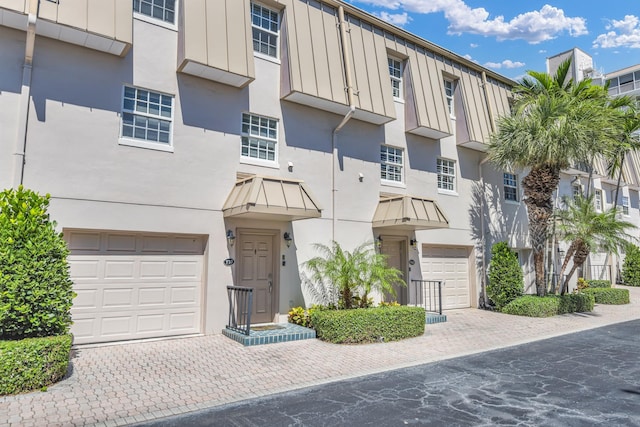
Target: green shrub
{"points": [[365, 325], [35, 288], [599, 284], [505, 276], [631, 266], [609, 295], [302, 316], [33, 363], [575, 303], [535, 306]]}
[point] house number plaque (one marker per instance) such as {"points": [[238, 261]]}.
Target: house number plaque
{"points": [[228, 261]]}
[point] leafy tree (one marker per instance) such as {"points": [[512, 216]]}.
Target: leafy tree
{"points": [[343, 278], [554, 123], [505, 276], [35, 288], [629, 140], [588, 230], [631, 266]]}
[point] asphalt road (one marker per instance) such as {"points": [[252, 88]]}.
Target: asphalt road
{"points": [[583, 379]]}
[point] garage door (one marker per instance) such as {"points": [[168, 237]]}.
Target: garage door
{"points": [[134, 285], [450, 264]]}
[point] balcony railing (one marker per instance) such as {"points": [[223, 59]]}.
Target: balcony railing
{"points": [[240, 303]]}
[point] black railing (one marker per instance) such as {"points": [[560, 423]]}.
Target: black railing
{"points": [[240, 301], [427, 294], [598, 272]]}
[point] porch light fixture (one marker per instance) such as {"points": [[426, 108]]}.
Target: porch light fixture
{"points": [[231, 238], [413, 243], [379, 242], [287, 238]]}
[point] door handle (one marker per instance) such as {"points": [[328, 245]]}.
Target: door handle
{"points": [[270, 283]]}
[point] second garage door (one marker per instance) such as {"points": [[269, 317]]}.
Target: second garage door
{"points": [[450, 264], [134, 285]]}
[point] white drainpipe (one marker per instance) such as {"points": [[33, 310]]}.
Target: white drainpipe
{"points": [[25, 95], [483, 243]]}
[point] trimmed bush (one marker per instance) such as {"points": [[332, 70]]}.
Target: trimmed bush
{"points": [[550, 305], [35, 288], [631, 266], [609, 295], [505, 276], [599, 284], [33, 363], [366, 325]]}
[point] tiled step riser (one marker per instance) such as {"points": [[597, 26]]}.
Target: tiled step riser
{"points": [[289, 333]]}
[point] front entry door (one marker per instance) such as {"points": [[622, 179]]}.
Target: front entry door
{"points": [[395, 250], [256, 271]]}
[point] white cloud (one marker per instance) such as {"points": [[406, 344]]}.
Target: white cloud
{"points": [[507, 63], [534, 27], [474, 45], [399, 19], [542, 51], [623, 33], [470, 58]]}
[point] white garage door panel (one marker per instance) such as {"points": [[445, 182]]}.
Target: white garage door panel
{"points": [[132, 286], [450, 264]]}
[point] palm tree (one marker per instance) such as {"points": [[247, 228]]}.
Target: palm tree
{"points": [[554, 123], [338, 277], [629, 140], [588, 230]]}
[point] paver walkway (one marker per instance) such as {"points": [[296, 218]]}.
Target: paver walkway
{"points": [[127, 383]]}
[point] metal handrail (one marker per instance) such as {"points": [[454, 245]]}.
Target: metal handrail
{"points": [[428, 294], [240, 305]]}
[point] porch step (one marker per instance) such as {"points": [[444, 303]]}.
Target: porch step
{"points": [[282, 332], [436, 318]]}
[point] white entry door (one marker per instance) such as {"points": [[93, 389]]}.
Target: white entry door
{"points": [[256, 271], [450, 264]]}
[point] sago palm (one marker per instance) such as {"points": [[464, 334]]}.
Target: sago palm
{"points": [[588, 230], [554, 123]]}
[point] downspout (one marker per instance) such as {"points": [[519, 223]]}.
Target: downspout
{"points": [[25, 95], [483, 267], [352, 109]]}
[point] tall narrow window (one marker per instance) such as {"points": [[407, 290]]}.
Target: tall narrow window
{"points": [[449, 89], [577, 191], [598, 200], [391, 163], [446, 174], [395, 72], [625, 205], [146, 116], [266, 28], [259, 137], [510, 181], [164, 10]]}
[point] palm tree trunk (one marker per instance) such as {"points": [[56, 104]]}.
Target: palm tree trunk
{"points": [[579, 258], [615, 200], [570, 252]]}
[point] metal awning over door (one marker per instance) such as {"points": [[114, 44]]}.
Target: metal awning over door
{"points": [[409, 213]]}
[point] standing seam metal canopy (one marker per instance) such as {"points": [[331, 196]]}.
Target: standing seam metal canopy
{"points": [[409, 213]]}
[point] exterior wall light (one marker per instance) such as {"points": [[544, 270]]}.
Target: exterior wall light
{"points": [[287, 238], [379, 242], [231, 238], [413, 243]]}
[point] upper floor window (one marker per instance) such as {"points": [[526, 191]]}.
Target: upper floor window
{"points": [[598, 200], [266, 27], [576, 191], [510, 181], [449, 89], [446, 174], [625, 205], [391, 159], [259, 137], [395, 72], [147, 116], [164, 10]]}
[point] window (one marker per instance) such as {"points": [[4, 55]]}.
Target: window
{"points": [[510, 181], [625, 205], [577, 191], [165, 10], [259, 137], [390, 163], [395, 72], [449, 89], [266, 25], [446, 174], [147, 116], [598, 200]]}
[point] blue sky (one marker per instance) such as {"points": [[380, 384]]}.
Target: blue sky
{"points": [[511, 37]]}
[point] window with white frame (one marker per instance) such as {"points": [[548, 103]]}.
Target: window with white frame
{"points": [[265, 24], [147, 115], [598, 200], [576, 191], [446, 174], [391, 159], [164, 10], [449, 89], [395, 72], [625, 205], [259, 137], [510, 181]]}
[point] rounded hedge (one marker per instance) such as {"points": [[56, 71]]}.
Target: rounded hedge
{"points": [[612, 296], [366, 325], [35, 289], [506, 281], [631, 266], [550, 305], [599, 283]]}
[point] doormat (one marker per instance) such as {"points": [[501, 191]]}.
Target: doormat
{"points": [[266, 328]]}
